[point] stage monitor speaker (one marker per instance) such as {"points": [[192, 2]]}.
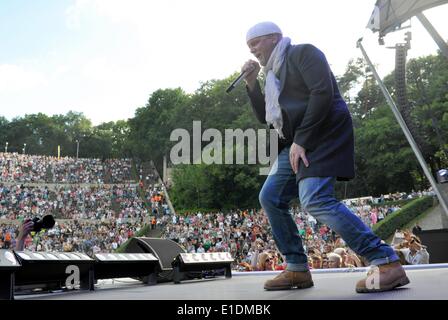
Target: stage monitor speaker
{"points": [[53, 271], [121, 265], [8, 266], [165, 250]]}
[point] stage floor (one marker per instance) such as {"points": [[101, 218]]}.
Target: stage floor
{"points": [[427, 282]]}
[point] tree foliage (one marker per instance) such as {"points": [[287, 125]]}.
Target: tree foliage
{"points": [[41, 134]]}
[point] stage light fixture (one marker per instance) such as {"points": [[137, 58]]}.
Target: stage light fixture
{"points": [[190, 262]]}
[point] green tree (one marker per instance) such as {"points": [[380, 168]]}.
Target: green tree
{"points": [[4, 125], [152, 125]]}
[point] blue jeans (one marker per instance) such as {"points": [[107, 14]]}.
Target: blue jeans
{"points": [[316, 195]]}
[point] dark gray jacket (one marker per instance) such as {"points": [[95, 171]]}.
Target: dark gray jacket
{"points": [[314, 114]]}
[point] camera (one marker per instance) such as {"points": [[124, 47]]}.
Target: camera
{"points": [[47, 222]]}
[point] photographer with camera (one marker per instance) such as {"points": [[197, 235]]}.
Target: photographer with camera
{"points": [[35, 225], [413, 250]]}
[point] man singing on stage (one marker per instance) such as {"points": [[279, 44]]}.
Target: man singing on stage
{"points": [[301, 100]]}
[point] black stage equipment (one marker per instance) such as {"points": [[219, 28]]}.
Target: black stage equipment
{"points": [[165, 250], [53, 271], [120, 265], [436, 242], [188, 262], [442, 176], [8, 266]]}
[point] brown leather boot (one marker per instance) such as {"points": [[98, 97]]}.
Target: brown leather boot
{"points": [[290, 280], [383, 278]]}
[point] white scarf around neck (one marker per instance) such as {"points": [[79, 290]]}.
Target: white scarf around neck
{"points": [[272, 86]]}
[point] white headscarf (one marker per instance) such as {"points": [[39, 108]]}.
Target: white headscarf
{"points": [[271, 71], [262, 29]]}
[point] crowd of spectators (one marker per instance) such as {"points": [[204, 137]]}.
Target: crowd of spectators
{"points": [[74, 235], [96, 205], [94, 217], [98, 202], [26, 168]]}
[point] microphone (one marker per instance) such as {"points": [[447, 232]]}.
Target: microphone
{"points": [[236, 81]]}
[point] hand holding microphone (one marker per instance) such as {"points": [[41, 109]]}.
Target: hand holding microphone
{"points": [[249, 73], [252, 68]]}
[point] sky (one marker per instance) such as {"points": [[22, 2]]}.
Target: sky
{"points": [[104, 58]]}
